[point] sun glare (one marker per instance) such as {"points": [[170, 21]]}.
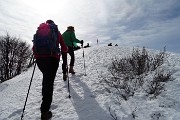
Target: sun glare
{"points": [[44, 6]]}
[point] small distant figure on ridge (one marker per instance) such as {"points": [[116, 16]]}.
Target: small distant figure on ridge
{"points": [[110, 44]]}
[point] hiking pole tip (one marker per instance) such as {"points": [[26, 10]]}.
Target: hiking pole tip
{"points": [[69, 96]]}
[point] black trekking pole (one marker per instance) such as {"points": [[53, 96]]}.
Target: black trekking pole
{"points": [[28, 91], [68, 81], [84, 60]]}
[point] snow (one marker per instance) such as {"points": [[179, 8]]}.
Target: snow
{"points": [[89, 99]]}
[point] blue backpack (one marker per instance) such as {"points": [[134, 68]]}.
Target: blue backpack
{"points": [[45, 40]]}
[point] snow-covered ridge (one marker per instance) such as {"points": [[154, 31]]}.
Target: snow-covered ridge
{"points": [[89, 100]]}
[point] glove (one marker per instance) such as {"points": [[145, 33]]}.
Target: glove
{"points": [[82, 42]]}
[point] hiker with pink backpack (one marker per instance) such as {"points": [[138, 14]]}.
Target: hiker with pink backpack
{"points": [[47, 54]]}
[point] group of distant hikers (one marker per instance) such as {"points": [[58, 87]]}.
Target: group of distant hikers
{"points": [[47, 53], [110, 44]]}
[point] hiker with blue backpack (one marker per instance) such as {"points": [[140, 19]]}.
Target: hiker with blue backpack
{"points": [[70, 41], [47, 54]]}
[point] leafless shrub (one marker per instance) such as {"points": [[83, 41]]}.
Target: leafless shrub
{"points": [[126, 75], [134, 114], [158, 59], [157, 115], [140, 61], [162, 76], [113, 114], [156, 86], [154, 89]]}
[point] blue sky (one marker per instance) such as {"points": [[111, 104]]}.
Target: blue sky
{"points": [[150, 23]]}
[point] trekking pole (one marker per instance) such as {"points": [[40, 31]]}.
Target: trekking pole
{"points": [[68, 81], [28, 91], [84, 60]]}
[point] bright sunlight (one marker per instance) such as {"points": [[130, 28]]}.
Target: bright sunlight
{"points": [[44, 7]]}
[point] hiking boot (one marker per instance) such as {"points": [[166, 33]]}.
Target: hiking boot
{"points": [[71, 70], [46, 115], [64, 77]]}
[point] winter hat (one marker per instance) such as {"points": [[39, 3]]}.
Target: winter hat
{"points": [[49, 21], [70, 28]]}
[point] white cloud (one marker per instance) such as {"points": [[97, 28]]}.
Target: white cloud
{"points": [[129, 22]]}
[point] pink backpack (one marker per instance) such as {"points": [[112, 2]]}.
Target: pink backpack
{"points": [[45, 40]]}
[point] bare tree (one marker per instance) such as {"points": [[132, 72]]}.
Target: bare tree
{"points": [[23, 55], [14, 54]]}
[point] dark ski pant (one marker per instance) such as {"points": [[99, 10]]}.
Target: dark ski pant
{"points": [[48, 66], [64, 58]]}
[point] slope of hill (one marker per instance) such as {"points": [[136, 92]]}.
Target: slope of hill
{"points": [[89, 100]]}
